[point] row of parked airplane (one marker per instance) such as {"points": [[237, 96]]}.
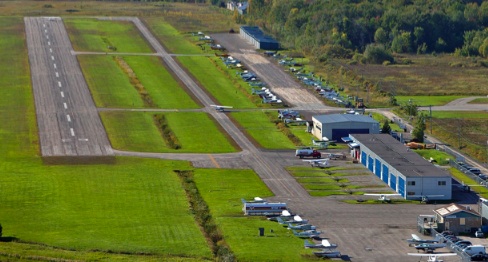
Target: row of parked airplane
{"points": [[302, 229], [428, 246]]}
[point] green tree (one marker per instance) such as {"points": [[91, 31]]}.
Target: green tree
{"points": [[386, 128], [380, 36], [377, 54], [418, 131], [483, 50]]}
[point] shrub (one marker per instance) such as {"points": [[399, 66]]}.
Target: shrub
{"points": [[377, 54]]}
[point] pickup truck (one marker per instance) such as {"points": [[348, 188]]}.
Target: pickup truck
{"points": [[301, 153]]}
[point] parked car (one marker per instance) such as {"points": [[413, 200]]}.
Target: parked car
{"points": [[479, 234], [474, 170], [447, 233], [483, 176], [461, 242]]}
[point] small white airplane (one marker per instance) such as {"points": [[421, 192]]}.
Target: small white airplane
{"points": [[220, 108], [255, 200], [425, 198], [429, 247], [383, 197], [415, 240], [432, 257], [321, 144], [325, 244], [322, 163]]}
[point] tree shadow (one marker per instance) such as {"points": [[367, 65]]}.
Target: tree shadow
{"points": [[9, 239]]}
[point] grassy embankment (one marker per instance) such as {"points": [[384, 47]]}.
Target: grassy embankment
{"points": [[111, 208]]}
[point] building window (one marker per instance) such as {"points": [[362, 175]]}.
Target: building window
{"points": [[462, 221], [410, 183], [318, 127], [441, 183], [411, 193]]}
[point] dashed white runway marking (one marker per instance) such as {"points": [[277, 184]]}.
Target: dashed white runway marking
{"points": [[47, 37], [65, 106], [50, 50], [59, 83], [48, 43], [68, 118], [52, 57], [72, 131], [54, 66], [45, 30], [57, 74], [62, 94]]}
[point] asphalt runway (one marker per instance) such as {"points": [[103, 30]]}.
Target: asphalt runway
{"points": [[69, 125]]}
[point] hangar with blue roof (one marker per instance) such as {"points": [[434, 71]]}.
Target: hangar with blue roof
{"points": [[257, 38], [402, 169]]}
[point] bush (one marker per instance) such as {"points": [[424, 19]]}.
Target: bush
{"points": [[377, 54]]}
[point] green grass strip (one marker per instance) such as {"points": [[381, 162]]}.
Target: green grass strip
{"points": [[105, 36]]}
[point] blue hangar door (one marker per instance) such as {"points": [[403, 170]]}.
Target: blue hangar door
{"points": [[338, 133], [370, 163], [393, 181], [401, 186], [377, 168], [364, 158], [385, 174]]}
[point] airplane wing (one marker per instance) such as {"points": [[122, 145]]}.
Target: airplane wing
{"points": [[431, 255], [326, 243], [219, 106], [297, 218], [382, 194], [285, 213], [415, 237]]}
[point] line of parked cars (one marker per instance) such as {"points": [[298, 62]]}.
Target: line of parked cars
{"points": [[458, 245]]}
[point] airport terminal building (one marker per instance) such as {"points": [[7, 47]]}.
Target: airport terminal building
{"points": [[336, 126], [400, 168]]}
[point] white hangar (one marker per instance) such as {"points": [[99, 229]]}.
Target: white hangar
{"points": [[336, 126], [402, 169]]}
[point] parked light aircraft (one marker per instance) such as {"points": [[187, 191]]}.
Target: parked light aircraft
{"points": [[285, 214], [302, 227], [429, 247], [432, 257], [415, 240], [325, 244], [328, 254], [307, 233], [220, 108], [425, 198], [291, 220], [255, 200], [321, 144], [322, 163], [272, 101], [383, 197]]}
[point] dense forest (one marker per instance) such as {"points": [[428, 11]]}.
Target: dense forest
{"points": [[343, 28]]}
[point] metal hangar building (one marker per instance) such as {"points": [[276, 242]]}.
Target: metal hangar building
{"points": [[336, 126], [257, 38], [405, 171]]}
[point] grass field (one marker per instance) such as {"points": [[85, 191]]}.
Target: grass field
{"points": [[222, 190], [136, 131], [258, 126], [426, 100], [121, 208], [105, 36]]}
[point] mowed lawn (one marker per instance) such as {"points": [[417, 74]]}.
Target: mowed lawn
{"points": [[216, 82], [123, 207], [222, 190], [91, 34], [111, 87], [173, 40], [261, 129], [136, 131]]}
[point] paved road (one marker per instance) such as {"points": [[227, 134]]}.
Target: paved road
{"points": [[461, 104], [68, 121]]}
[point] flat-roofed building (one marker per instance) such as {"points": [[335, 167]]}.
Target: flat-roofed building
{"points": [[337, 126], [401, 168]]}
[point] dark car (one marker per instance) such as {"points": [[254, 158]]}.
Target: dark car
{"points": [[479, 257], [447, 233], [483, 176], [474, 170]]}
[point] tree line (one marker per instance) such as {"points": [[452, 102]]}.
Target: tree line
{"points": [[343, 28]]}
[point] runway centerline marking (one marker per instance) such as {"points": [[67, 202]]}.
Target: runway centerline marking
{"points": [[50, 50], [72, 131], [65, 106], [214, 161], [57, 74], [62, 94], [48, 43], [59, 83], [52, 57], [68, 118], [47, 37], [54, 66]]}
